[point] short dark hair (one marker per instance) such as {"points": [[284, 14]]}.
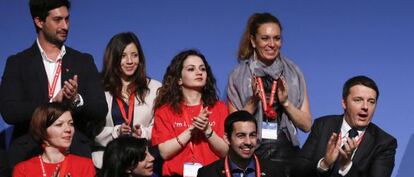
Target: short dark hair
{"points": [[41, 8], [43, 117], [238, 116], [359, 80], [122, 154]]}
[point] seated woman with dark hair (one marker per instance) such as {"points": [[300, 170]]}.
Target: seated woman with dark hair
{"points": [[52, 127], [127, 156]]}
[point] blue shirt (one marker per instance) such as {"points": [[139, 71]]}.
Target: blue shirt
{"points": [[250, 170]]}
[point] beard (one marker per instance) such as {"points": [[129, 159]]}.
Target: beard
{"points": [[53, 38]]}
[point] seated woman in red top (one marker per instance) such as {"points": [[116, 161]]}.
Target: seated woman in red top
{"points": [[189, 118], [52, 127]]}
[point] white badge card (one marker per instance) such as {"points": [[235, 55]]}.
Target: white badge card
{"points": [[191, 169], [269, 130]]}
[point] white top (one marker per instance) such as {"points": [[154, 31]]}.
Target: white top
{"points": [[143, 115]]}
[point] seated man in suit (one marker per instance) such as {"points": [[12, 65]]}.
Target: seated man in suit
{"points": [[349, 144], [50, 71], [241, 135]]}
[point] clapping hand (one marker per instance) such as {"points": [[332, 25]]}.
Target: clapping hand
{"points": [[332, 149], [201, 121], [70, 88], [282, 91], [346, 151], [137, 131]]}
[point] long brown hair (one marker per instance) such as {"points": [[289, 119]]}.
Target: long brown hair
{"points": [[245, 48], [111, 73], [171, 93]]}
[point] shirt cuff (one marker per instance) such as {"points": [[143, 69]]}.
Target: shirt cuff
{"points": [[346, 170], [80, 103], [319, 167], [116, 131]]}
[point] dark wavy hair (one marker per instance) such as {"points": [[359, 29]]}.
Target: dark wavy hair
{"points": [[122, 154], [245, 48], [111, 73], [171, 93], [43, 117]]}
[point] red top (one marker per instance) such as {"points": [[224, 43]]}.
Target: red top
{"points": [[78, 166], [168, 124]]}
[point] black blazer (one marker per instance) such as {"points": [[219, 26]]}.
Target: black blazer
{"points": [[216, 169], [374, 157], [25, 86]]}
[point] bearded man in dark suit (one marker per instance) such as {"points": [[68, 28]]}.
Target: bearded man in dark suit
{"points": [[349, 144], [50, 71]]}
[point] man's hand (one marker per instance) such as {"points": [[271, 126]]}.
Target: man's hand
{"points": [[70, 89], [346, 152], [332, 150]]}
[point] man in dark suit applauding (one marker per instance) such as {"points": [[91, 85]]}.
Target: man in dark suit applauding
{"points": [[349, 144], [241, 135], [50, 71]]}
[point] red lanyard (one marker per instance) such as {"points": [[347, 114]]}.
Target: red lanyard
{"points": [[227, 168], [131, 103], [188, 122], [55, 79], [268, 107]]}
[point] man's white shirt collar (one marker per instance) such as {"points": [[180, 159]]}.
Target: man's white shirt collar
{"points": [[46, 58]]}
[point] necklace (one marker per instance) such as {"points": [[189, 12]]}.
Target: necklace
{"points": [[63, 166], [43, 167]]}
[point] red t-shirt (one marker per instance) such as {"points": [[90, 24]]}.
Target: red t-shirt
{"points": [[168, 125], [77, 166]]}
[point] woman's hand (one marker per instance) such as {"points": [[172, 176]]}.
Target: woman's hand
{"points": [[201, 121], [137, 131], [125, 129], [282, 91], [255, 90]]}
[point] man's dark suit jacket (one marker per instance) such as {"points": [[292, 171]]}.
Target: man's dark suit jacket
{"points": [[25, 86], [374, 157], [216, 169]]}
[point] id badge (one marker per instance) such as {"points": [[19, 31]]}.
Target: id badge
{"points": [[269, 130], [191, 169]]}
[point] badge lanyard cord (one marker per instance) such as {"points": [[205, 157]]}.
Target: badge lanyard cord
{"points": [[52, 86], [128, 120]]}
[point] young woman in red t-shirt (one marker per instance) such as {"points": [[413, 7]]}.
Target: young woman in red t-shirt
{"points": [[189, 118]]}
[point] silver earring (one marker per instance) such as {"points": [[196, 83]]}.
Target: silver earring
{"points": [[254, 54]]}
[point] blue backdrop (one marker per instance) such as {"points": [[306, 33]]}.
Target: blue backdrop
{"points": [[331, 41]]}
